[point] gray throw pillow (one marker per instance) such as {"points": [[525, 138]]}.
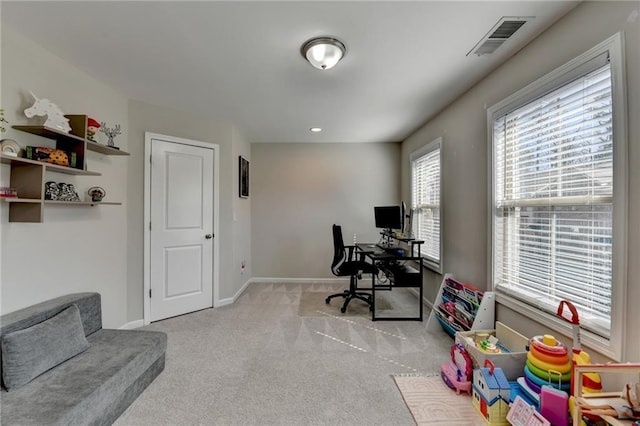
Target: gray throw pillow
{"points": [[28, 353]]}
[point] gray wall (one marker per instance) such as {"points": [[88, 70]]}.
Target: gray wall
{"points": [[149, 118], [76, 249], [462, 126], [299, 190], [101, 249]]}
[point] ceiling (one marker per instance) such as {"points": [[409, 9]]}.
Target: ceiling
{"points": [[240, 61]]}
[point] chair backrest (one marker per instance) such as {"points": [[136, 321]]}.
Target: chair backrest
{"points": [[339, 252]]}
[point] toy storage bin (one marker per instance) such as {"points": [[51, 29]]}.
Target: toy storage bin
{"points": [[511, 363]]}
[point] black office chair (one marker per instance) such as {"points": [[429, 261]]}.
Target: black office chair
{"points": [[345, 265]]}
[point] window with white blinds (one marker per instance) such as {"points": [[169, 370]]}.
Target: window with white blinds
{"points": [[425, 202], [553, 195]]}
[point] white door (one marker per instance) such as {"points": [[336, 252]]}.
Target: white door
{"points": [[181, 228]]}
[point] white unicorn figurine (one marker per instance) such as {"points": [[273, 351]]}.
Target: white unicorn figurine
{"points": [[55, 117]]}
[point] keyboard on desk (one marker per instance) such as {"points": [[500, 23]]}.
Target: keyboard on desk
{"points": [[388, 248]]}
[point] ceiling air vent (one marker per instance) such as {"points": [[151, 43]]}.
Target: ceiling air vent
{"points": [[501, 32]]}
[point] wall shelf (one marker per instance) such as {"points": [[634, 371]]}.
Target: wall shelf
{"points": [[28, 176], [104, 149], [82, 203], [49, 133], [20, 200], [19, 161], [66, 203], [79, 124]]}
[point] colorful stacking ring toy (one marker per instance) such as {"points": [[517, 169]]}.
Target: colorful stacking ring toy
{"points": [[537, 389], [540, 382], [549, 374], [546, 357], [549, 345], [546, 366]]}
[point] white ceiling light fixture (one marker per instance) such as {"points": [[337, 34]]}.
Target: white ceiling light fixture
{"points": [[323, 52], [315, 129]]}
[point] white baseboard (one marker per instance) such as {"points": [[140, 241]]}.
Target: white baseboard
{"points": [[299, 280], [131, 325], [231, 300], [425, 301], [270, 280]]}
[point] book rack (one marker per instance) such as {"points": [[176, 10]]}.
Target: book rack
{"points": [[461, 307]]}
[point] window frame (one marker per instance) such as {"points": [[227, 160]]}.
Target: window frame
{"points": [[429, 262], [612, 347]]}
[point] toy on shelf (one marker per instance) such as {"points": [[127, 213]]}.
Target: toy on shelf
{"points": [[51, 155], [457, 373], [92, 128], [591, 382], [55, 117], [490, 344], [491, 394]]}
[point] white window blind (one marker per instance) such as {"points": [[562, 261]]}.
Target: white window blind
{"points": [[425, 186], [553, 199]]}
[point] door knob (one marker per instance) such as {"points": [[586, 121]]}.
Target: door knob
{"points": [[208, 236]]}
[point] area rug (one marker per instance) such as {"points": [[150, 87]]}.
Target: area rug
{"points": [[312, 304], [431, 402]]}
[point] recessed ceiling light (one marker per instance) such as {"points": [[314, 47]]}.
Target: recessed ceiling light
{"points": [[315, 129]]}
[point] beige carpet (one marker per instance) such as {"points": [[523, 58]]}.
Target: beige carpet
{"points": [[312, 304], [431, 402]]}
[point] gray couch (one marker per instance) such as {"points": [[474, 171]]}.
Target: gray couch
{"points": [[61, 368]]}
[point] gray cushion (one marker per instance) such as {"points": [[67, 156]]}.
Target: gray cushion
{"points": [[30, 352], [93, 388]]}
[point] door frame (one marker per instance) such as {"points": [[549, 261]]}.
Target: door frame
{"points": [[148, 138]]}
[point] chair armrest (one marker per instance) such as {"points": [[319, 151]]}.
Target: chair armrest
{"points": [[350, 251]]}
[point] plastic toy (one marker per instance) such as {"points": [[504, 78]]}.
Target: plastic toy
{"points": [[491, 393], [554, 405], [528, 389], [489, 347], [630, 409], [523, 414], [548, 370], [457, 373], [549, 358], [533, 379], [548, 363], [591, 382]]}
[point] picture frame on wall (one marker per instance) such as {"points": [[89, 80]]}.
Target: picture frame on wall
{"points": [[244, 177]]}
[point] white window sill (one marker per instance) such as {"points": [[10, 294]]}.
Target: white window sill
{"points": [[593, 342]]}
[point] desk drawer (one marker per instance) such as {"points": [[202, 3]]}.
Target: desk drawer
{"points": [[404, 276]]}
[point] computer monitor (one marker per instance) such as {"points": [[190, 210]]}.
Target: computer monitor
{"points": [[388, 217]]}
